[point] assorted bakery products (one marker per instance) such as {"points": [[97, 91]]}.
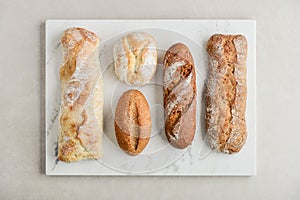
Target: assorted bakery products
{"points": [[135, 62], [81, 97], [226, 92], [135, 58], [179, 85], [132, 122]]}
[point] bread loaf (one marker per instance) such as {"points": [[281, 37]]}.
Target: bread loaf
{"points": [[132, 122], [135, 58], [81, 97], [226, 92], [179, 96]]}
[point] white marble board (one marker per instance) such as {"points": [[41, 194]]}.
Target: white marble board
{"points": [[159, 158]]}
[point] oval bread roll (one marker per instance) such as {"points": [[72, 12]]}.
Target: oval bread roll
{"points": [[132, 122]]}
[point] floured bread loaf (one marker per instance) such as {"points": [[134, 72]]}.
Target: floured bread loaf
{"points": [[179, 96], [81, 115], [226, 92], [135, 58]]}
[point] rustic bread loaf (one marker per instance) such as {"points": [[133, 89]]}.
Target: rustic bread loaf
{"points": [[81, 97], [179, 96], [135, 58], [226, 92], [132, 122]]}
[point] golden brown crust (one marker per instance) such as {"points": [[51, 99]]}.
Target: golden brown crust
{"points": [[81, 109], [179, 96], [226, 92], [132, 122]]}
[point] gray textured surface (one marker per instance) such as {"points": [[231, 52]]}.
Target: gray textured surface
{"points": [[22, 104]]}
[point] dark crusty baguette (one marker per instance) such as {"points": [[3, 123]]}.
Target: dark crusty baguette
{"points": [[132, 122], [226, 92], [179, 96]]}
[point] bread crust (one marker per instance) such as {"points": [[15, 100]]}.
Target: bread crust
{"points": [[226, 92], [179, 96], [132, 122], [81, 115]]}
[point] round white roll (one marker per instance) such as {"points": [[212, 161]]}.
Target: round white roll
{"points": [[135, 58]]}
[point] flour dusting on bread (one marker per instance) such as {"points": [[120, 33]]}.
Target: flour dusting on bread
{"points": [[82, 98], [179, 96], [135, 58], [226, 92]]}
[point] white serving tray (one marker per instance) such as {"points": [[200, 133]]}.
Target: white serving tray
{"points": [[158, 158]]}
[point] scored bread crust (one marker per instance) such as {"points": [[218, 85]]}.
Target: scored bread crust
{"points": [[132, 122], [81, 118], [226, 92], [179, 96]]}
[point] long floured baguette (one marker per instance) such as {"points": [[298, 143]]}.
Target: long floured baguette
{"points": [[81, 118]]}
